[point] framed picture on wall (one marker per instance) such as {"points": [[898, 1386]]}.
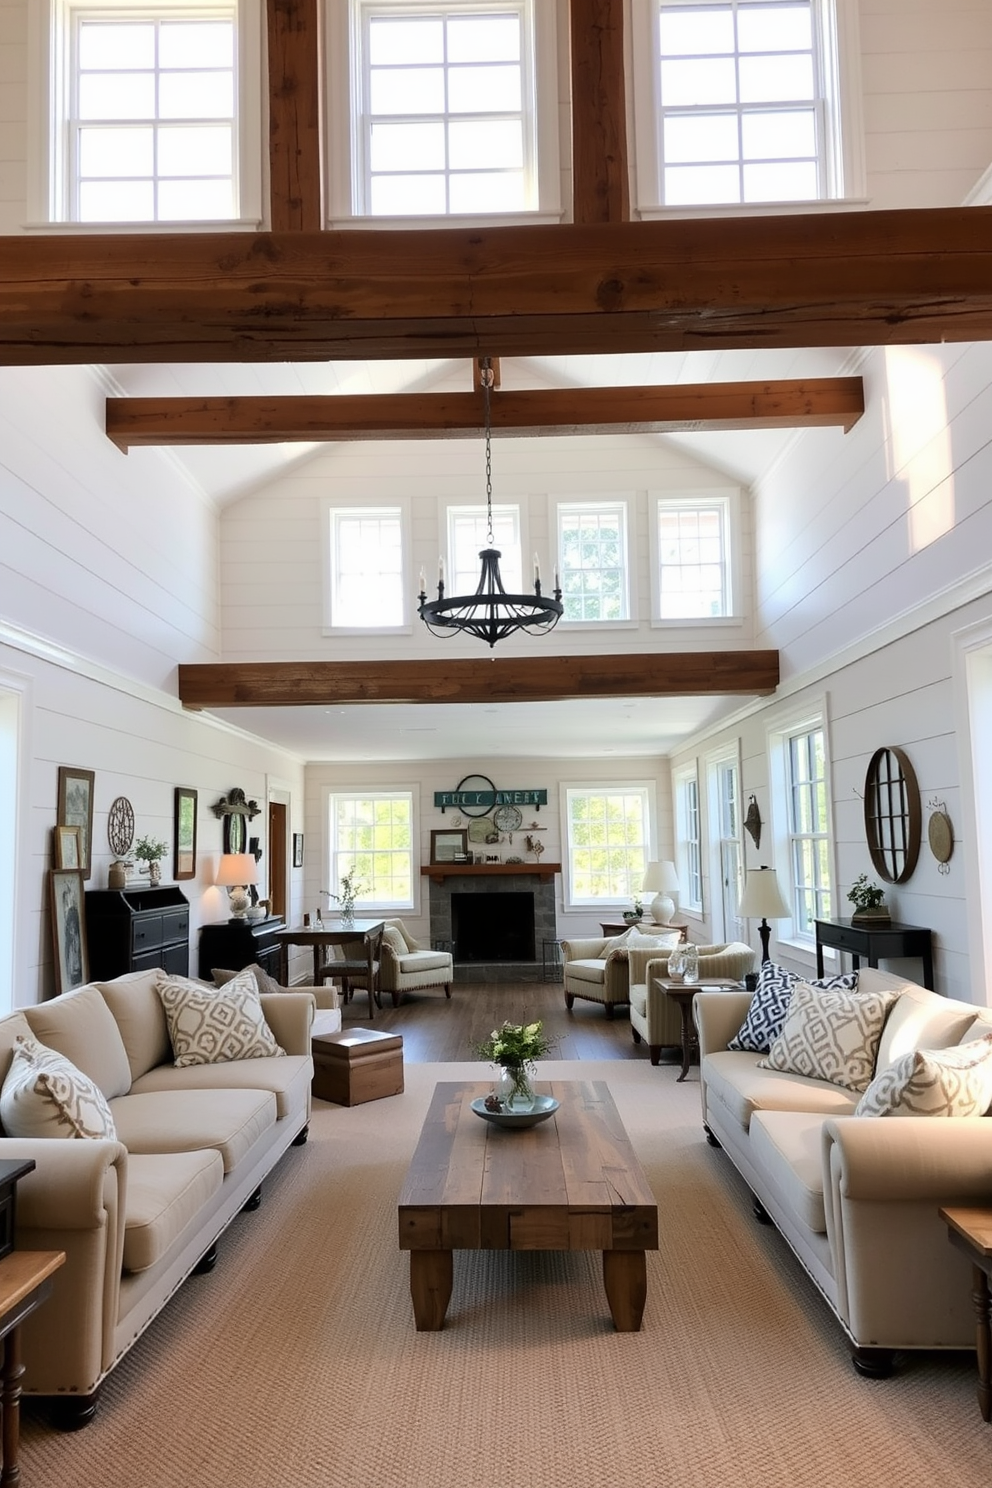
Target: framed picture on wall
{"points": [[72, 965], [297, 849], [184, 837], [67, 847], [449, 847], [76, 810]]}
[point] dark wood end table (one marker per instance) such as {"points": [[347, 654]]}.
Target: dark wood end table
{"points": [[881, 941], [970, 1231], [25, 1282], [683, 994]]}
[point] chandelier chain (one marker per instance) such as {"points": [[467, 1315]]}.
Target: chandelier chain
{"points": [[488, 377]]}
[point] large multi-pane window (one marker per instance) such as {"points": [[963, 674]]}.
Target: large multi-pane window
{"points": [[151, 122], [446, 115], [592, 557], [693, 560], [608, 836], [371, 837], [688, 844], [808, 821], [726, 856], [468, 535], [366, 568]]}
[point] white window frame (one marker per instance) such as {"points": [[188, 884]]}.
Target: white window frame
{"points": [[725, 847], [623, 504], [345, 153], [49, 46], [781, 729], [332, 511], [844, 171], [451, 512], [407, 793], [728, 503], [568, 790], [688, 836]]}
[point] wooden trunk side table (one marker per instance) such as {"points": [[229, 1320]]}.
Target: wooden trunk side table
{"points": [[970, 1231], [25, 1282]]}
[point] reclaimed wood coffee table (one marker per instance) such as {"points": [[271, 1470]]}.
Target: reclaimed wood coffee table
{"points": [[571, 1183]]}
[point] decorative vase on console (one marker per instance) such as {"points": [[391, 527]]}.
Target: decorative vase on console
{"points": [[350, 890]]}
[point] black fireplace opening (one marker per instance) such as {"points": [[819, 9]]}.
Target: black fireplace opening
{"points": [[492, 927]]}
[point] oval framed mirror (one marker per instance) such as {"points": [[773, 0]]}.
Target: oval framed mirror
{"points": [[893, 815]]}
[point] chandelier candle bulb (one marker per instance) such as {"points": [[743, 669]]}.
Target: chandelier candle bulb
{"points": [[423, 581], [537, 569]]}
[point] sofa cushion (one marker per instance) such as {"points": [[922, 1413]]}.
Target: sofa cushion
{"points": [[138, 1012], [280, 1076], [45, 1095], [263, 982], [392, 938], [228, 1121], [211, 1025], [743, 1085], [923, 1020], [165, 1194], [770, 1003], [414, 961], [664, 941], [831, 1035], [81, 1026], [586, 971], [934, 1082], [787, 1147], [409, 942]]}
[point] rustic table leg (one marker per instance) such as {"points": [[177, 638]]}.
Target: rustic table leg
{"points": [[10, 1406], [431, 1273], [983, 1339], [685, 1012], [625, 1276]]}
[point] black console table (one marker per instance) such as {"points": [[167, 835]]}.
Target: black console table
{"points": [[875, 942], [137, 929], [233, 944]]}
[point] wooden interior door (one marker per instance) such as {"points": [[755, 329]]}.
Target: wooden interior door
{"points": [[278, 850]]}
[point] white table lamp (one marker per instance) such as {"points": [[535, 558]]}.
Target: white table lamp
{"points": [[663, 879], [763, 898], [236, 872]]}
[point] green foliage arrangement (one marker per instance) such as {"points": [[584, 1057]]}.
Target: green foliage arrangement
{"points": [[516, 1044], [865, 895], [351, 889], [149, 850]]}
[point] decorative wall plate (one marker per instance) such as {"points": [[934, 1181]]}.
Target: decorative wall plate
{"points": [[507, 818], [120, 827], [940, 835], [479, 828]]}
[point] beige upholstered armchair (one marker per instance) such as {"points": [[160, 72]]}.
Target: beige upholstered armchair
{"points": [[653, 1015], [404, 967], [599, 969]]}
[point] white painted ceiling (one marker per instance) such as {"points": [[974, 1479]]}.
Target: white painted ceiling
{"points": [[631, 727]]}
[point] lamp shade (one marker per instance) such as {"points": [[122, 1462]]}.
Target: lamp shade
{"points": [[237, 869], [762, 898], [661, 876]]}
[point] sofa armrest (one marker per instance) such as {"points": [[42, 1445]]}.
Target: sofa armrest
{"points": [[718, 1016], [908, 1158], [289, 1015], [585, 950], [67, 1189]]}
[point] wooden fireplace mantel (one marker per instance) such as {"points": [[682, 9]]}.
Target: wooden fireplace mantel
{"points": [[440, 871]]}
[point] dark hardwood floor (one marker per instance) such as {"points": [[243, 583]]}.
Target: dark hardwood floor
{"points": [[435, 1029]]}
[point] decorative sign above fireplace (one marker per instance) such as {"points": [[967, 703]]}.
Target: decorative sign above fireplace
{"points": [[476, 795]]}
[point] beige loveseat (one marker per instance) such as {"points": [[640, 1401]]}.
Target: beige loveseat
{"points": [[856, 1197], [600, 969], [136, 1215]]}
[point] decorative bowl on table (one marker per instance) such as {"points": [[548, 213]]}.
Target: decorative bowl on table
{"points": [[544, 1106]]}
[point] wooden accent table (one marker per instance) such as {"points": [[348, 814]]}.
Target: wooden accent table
{"points": [[683, 993], [875, 942], [970, 1230], [320, 936], [25, 1282], [571, 1183]]}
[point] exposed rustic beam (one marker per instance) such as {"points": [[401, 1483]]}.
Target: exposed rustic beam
{"points": [[816, 402], [600, 182], [849, 279], [546, 678], [293, 34]]}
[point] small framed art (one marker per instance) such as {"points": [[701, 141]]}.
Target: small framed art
{"points": [[76, 810], [448, 846], [297, 849], [69, 948], [184, 836], [67, 847]]}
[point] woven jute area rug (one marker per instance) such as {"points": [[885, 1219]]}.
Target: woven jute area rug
{"points": [[295, 1364]]}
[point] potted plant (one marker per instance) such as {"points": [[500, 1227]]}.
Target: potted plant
{"points": [[867, 900], [515, 1048], [148, 852], [350, 891], [632, 916]]}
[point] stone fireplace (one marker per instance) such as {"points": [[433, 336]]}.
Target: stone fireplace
{"points": [[496, 922]]}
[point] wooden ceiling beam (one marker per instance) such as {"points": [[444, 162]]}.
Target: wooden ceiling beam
{"points": [[815, 402], [294, 88], [600, 175], [847, 279], [546, 678]]}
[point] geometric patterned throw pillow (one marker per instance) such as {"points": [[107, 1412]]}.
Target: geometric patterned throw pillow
{"points": [[45, 1095], [770, 1003], [831, 1035], [213, 1025], [933, 1082]]}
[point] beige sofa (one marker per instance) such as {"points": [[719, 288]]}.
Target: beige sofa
{"points": [[135, 1216], [856, 1197], [654, 1017]]}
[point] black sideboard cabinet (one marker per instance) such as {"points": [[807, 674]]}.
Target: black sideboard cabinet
{"points": [[236, 943], [137, 929]]}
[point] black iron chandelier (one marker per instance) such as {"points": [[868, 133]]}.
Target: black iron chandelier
{"points": [[490, 613]]}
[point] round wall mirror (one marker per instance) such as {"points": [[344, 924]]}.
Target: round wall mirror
{"points": [[893, 817]]}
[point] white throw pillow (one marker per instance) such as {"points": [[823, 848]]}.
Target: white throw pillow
{"points": [[214, 1025], [934, 1082], [45, 1095], [638, 941], [831, 1035]]}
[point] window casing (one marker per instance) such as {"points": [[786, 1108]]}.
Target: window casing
{"points": [[687, 838], [366, 569], [444, 109], [726, 855], [593, 561], [149, 113], [468, 534], [693, 560], [608, 835], [808, 821], [372, 834], [744, 103]]}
